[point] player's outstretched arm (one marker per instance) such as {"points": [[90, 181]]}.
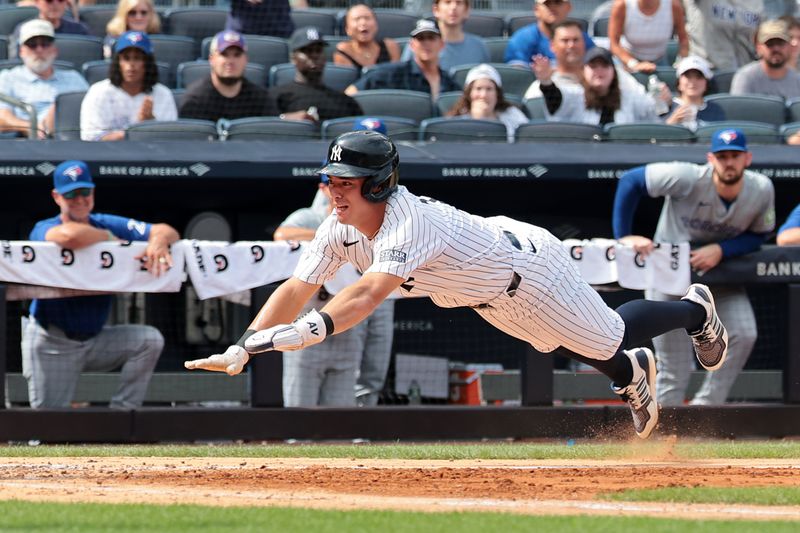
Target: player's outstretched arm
{"points": [[282, 307]]}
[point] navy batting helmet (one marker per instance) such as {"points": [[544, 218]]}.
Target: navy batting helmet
{"points": [[365, 154]]}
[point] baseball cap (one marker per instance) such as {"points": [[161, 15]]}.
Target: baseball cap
{"points": [[728, 139], [694, 63], [551, 1], [598, 52], [303, 37], [773, 29], [483, 71], [71, 175], [36, 28], [370, 123], [425, 26], [134, 39], [225, 39]]}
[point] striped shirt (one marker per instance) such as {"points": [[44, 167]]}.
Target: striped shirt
{"points": [[456, 258]]}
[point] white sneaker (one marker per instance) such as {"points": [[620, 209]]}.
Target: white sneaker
{"points": [[640, 393], [711, 340]]}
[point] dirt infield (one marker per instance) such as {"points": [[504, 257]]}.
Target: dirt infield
{"points": [[530, 487]]}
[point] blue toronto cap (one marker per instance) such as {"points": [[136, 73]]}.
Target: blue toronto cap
{"points": [[370, 123], [729, 139], [71, 175], [134, 39]]}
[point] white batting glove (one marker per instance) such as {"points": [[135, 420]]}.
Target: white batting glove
{"points": [[309, 329], [232, 361]]}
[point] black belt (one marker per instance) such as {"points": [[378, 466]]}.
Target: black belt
{"points": [[72, 335]]}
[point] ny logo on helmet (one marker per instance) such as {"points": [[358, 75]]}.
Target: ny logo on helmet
{"points": [[336, 153]]}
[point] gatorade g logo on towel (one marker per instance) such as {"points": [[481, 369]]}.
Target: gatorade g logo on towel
{"points": [[28, 254], [222, 262], [258, 253], [67, 257], [106, 259]]}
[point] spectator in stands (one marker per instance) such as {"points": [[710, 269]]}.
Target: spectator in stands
{"points": [[226, 93], [690, 108], [602, 101], [460, 47], [483, 99], [131, 94], [262, 17], [723, 210], [639, 31], [307, 97], [63, 337], [534, 39], [789, 233], [36, 81], [723, 31], [51, 11], [422, 73], [771, 74], [793, 26], [363, 50], [131, 15]]}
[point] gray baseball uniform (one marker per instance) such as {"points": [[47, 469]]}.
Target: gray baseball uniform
{"points": [[515, 275], [722, 31], [694, 212], [326, 373]]}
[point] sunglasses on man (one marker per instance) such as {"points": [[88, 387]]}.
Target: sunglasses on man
{"points": [[71, 195]]}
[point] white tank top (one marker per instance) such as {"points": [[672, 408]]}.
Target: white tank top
{"points": [[646, 37]]}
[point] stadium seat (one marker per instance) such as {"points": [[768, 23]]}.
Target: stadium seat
{"points": [[172, 130], [192, 71], [793, 109], [332, 41], [393, 23], [544, 131], [584, 8], [11, 15], [78, 49], [519, 20], [97, 18], [173, 50], [395, 102], [95, 71], [178, 95], [787, 130], [3, 47], [655, 132], [447, 100], [485, 24], [753, 107], [195, 22], [535, 108], [665, 74], [600, 27], [337, 77], [326, 22], [515, 80], [462, 130], [67, 120], [270, 128], [672, 51], [497, 48], [721, 83], [398, 128], [756, 132]]}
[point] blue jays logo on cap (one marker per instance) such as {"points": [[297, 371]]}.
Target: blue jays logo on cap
{"points": [[134, 39], [729, 139], [71, 175], [370, 123]]}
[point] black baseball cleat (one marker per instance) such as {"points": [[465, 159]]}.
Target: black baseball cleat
{"points": [[641, 391], [711, 340]]}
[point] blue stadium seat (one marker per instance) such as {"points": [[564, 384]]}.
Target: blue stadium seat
{"points": [[535, 108], [97, 18], [3, 47], [78, 49], [793, 109], [756, 132], [518, 20], [337, 77], [326, 22], [515, 80], [270, 128], [600, 27], [173, 50], [655, 132], [485, 24], [665, 74], [393, 23], [395, 102], [462, 130], [721, 83], [11, 15], [192, 71], [195, 22], [497, 48], [544, 131], [67, 123]]}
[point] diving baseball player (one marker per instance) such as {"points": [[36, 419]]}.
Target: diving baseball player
{"points": [[724, 211], [515, 275]]}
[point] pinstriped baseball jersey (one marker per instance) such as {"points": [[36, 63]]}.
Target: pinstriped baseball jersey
{"points": [[517, 276]]}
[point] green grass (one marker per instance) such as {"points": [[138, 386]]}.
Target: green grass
{"points": [[441, 451], [89, 518], [740, 495]]}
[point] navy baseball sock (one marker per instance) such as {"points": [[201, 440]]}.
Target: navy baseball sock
{"points": [[618, 368], [645, 319]]}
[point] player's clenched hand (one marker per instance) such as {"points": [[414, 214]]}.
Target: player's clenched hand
{"points": [[232, 361], [307, 330], [641, 244]]}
